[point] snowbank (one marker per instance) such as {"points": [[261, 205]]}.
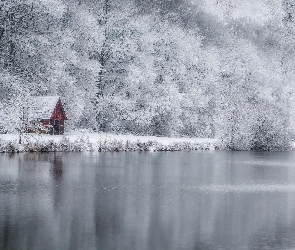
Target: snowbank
{"points": [[101, 142]]}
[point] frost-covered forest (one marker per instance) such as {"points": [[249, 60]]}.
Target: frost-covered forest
{"points": [[200, 68]]}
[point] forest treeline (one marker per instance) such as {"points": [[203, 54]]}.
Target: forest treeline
{"points": [[165, 68]]}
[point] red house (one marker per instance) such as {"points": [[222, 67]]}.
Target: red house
{"points": [[46, 115]]}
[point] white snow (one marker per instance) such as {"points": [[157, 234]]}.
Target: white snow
{"points": [[41, 107], [80, 141]]}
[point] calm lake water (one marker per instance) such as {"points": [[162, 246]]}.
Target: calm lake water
{"points": [[179, 200]]}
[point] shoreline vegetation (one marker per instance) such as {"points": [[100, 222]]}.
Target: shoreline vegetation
{"points": [[81, 141], [102, 142]]}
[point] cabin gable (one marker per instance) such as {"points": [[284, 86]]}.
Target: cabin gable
{"points": [[58, 112]]}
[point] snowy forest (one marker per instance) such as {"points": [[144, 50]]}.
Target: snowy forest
{"points": [[199, 68]]}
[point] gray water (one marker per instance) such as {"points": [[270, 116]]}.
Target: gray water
{"points": [[179, 200]]}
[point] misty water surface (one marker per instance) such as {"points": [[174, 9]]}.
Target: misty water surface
{"points": [[179, 200]]}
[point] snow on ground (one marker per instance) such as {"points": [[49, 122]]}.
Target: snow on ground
{"points": [[79, 141]]}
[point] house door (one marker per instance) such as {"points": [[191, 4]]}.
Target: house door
{"points": [[55, 127]]}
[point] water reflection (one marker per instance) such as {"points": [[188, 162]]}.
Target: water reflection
{"points": [[57, 169], [184, 200]]}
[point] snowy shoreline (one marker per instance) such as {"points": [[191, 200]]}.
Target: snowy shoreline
{"points": [[101, 142]]}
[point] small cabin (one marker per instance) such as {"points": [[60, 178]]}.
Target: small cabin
{"points": [[46, 115]]}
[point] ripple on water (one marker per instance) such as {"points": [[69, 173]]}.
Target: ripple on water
{"points": [[245, 188]]}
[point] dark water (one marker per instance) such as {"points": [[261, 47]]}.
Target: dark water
{"points": [[180, 200]]}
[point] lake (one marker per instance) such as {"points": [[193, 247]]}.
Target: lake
{"points": [[161, 200]]}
